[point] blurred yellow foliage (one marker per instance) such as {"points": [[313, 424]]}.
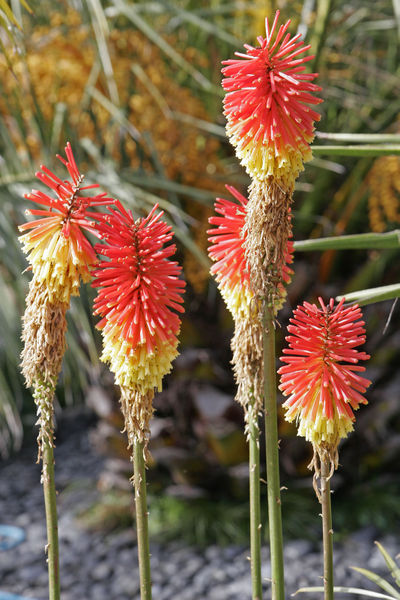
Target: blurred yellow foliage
{"points": [[59, 62], [57, 74], [258, 10], [384, 200]]}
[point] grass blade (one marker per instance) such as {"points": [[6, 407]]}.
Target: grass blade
{"points": [[372, 295], [115, 112], [140, 73], [9, 13], [367, 241], [361, 150], [382, 583], [26, 6], [366, 138], [101, 31], [160, 183], [206, 126], [130, 13], [392, 566], [207, 26], [324, 11], [346, 590], [396, 10]]}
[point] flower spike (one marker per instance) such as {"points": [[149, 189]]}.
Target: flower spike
{"points": [[227, 249], [139, 294], [56, 244], [321, 374], [60, 256], [267, 105], [231, 271]]}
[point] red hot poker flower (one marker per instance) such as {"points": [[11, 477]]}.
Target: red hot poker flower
{"points": [[59, 251], [227, 250], [139, 290], [269, 120], [230, 268], [321, 375]]}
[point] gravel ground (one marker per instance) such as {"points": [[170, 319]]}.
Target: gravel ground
{"points": [[97, 566]]}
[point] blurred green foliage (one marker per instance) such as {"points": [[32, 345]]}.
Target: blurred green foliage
{"points": [[202, 521], [390, 592]]}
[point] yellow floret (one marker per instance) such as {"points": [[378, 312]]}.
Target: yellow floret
{"points": [[262, 161], [239, 299], [135, 368], [57, 262], [321, 430]]}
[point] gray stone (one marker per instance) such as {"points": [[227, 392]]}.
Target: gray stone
{"points": [[102, 571], [96, 566], [30, 573], [212, 552]]}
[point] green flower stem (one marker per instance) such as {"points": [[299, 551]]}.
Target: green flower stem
{"points": [[142, 520], [271, 443], [255, 517], [327, 532], [49, 490]]}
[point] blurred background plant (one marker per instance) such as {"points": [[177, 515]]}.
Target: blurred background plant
{"points": [[135, 87], [390, 592]]}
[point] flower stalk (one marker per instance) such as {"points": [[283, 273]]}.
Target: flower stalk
{"points": [[52, 548], [321, 378], [60, 256], [142, 528], [139, 293], [271, 124], [254, 500], [232, 272], [327, 531], [272, 458]]}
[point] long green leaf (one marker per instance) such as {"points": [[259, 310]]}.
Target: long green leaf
{"points": [[187, 240], [161, 183], [9, 13], [4, 25], [318, 39], [346, 590], [207, 26], [10, 422], [392, 565], [355, 138], [56, 126], [385, 585], [372, 295], [206, 126], [361, 150], [115, 112], [360, 241], [101, 31], [26, 6], [396, 10], [141, 74], [129, 11]]}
